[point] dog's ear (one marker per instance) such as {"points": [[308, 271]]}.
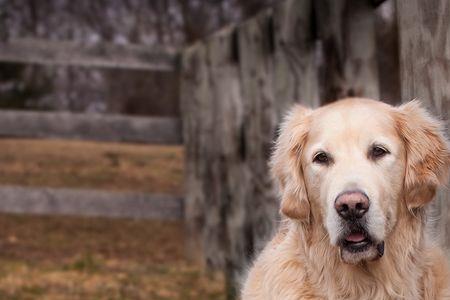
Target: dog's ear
{"points": [[286, 164], [427, 153]]}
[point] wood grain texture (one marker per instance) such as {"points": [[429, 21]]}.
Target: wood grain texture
{"points": [[94, 127], [216, 180], [196, 100], [99, 55], [425, 73], [387, 54], [92, 203], [346, 29], [260, 119], [296, 75]]}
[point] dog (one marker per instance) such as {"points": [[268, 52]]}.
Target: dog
{"points": [[355, 177]]}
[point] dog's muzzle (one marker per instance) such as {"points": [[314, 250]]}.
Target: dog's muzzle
{"points": [[352, 207]]}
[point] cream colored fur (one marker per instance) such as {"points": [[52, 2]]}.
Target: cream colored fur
{"points": [[301, 262]]}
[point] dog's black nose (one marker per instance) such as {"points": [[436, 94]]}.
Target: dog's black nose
{"points": [[351, 205]]}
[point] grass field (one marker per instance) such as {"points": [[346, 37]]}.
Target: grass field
{"points": [[107, 166], [94, 258], [87, 258]]}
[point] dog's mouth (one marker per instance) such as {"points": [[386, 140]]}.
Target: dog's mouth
{"points": [[356, 241], [357, 245]]}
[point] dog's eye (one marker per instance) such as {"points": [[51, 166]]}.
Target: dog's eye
{"points": [[321, 158], [377, 152]]}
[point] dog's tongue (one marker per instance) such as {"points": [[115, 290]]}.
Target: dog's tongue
{"points": [[355, 237]]}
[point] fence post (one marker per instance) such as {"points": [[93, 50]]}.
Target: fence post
{"points": [[216, 183], [425, 72], [256, 65], [229, 175], [195, 101]]}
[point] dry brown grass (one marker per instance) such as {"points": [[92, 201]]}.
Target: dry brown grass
{"points": [[92, 258], [76, 164]]}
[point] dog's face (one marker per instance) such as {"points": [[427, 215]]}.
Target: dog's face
{"points": [[354, 164], [350, 167]]}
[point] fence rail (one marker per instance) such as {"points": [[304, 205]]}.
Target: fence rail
{"points": [[96, 127], [100, 55], [92, 203]]}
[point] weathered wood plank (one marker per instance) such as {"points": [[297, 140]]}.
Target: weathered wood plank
{"points": [[196, 101], [89, 203], [261, 114], [228, 171], [347, 33], [98, 55], [425, 73], [388, 58], [296, 75], [97, 127], [376, 3]]}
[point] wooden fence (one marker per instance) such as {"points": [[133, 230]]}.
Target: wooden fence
{"points": [[93, 203], [425, 74], [95, 55], [237, 82], [94, 127], [235, 86]]}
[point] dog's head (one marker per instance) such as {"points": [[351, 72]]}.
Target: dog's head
{"points": [[354, 165]]}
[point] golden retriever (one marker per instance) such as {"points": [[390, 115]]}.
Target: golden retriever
{"points": [[355, 177]]}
